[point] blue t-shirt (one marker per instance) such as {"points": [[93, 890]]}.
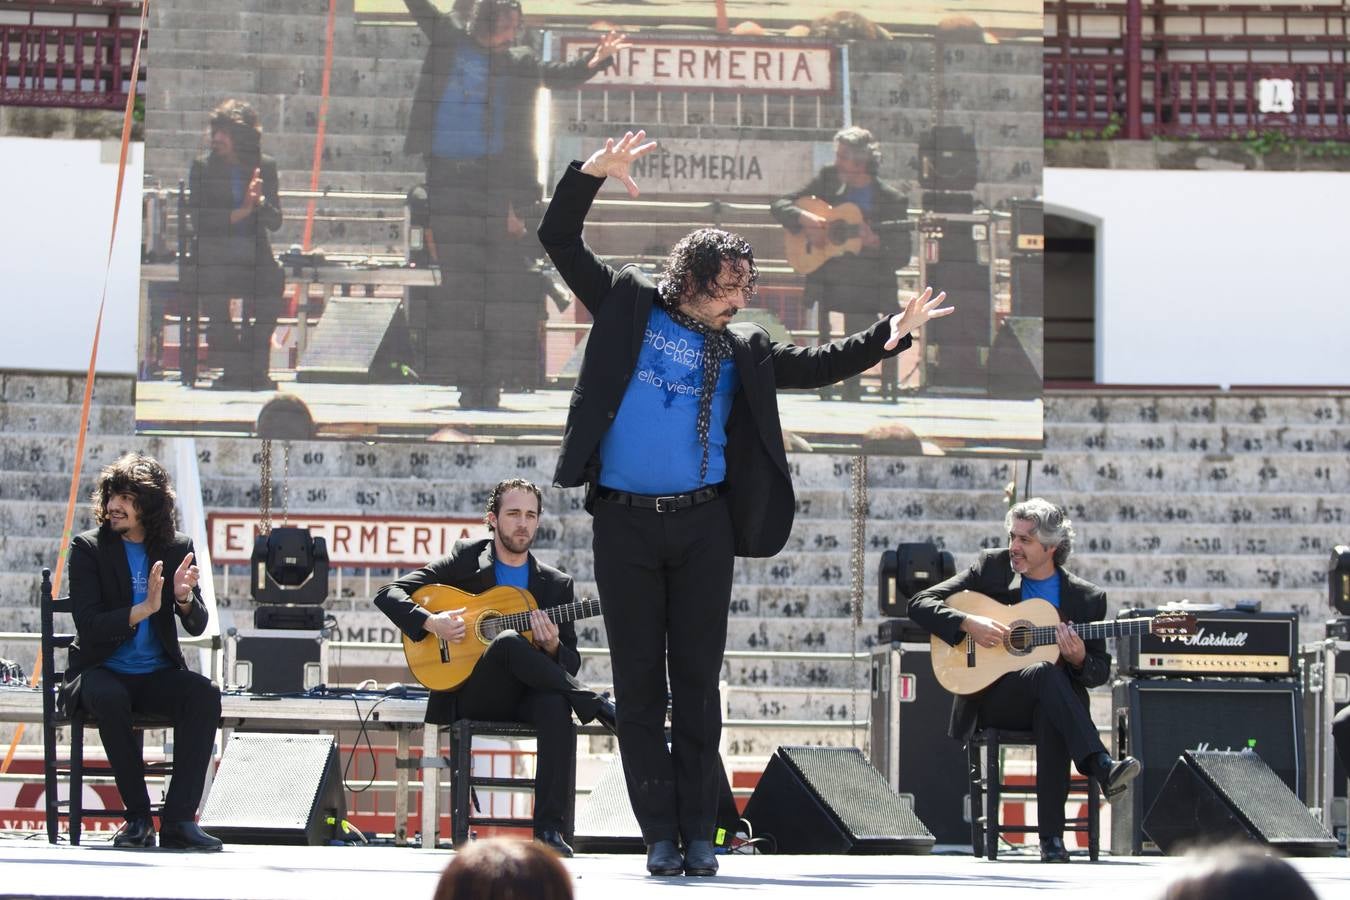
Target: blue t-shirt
{"points": [[143, 653], [863, 197], [471, 114], [1044, 588], [512, 576], [653, 445]]}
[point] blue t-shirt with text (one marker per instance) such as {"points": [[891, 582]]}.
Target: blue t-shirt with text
{"points": [[143, 653], [1044, 588], [471, 114], [653, 447]]}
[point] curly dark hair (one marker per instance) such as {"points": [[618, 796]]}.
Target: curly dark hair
{"points": [[494, 502], [483, 17], [695, 263], [240, 121], [145, 480]]}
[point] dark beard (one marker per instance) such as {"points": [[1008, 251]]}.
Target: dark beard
{"points": [[515, 544]]}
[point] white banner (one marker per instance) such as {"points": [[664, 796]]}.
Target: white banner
{"points": [[747, 68], [362, 541], [681, 167]]}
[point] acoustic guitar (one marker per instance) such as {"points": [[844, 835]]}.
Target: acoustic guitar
{"points": [[968, 668], [443, 666], [843, 234]]}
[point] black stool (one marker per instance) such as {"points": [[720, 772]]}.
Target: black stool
{"points": [[463, 782], [987, 788]]}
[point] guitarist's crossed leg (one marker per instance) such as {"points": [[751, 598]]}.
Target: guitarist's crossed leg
{"points": [[1047, 698]]}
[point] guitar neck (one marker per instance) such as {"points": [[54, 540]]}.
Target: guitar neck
{"points": [[568, 612], [1044, 635]]}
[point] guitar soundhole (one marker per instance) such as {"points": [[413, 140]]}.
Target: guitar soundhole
{"points": [[1019, 640], [489, 626]]}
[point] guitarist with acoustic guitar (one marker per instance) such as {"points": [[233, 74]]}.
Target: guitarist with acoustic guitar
{"points": [[523, 674], [1049, 699], [847, 232]]}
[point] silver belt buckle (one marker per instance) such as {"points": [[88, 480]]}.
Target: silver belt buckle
{"points": [[661, 506]]}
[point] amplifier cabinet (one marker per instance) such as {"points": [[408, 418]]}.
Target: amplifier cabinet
{"points": [[1226, 644], [1156, 719], [909, 744], [1325, 678]]}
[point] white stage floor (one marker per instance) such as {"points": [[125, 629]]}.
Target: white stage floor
{"points": [[32, 868]]}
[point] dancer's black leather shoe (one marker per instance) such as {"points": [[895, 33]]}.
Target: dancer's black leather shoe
{"points": [[699, 859], [663, 858]]}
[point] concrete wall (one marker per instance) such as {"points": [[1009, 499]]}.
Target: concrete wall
{"points": [[54, 235], [1216, 278]]}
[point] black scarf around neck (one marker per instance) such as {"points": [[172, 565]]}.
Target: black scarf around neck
{"points": [[716, 348]]}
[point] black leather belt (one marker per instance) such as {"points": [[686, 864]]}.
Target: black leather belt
{"points": [[665, 503]]}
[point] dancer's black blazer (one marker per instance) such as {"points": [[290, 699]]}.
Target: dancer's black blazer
{"points": [[758, 482]]}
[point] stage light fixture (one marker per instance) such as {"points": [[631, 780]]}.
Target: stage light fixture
{"points": [[907, 570], [290, 572]]}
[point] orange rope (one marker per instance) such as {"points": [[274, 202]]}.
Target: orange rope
{"points": [[320, 133], [93, 359]]}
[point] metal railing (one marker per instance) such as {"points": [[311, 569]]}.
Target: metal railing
{"points": [[66, 66], [1205, 100], [1139, 69]]}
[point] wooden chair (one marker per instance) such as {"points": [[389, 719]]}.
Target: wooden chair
{"points": [[463, 782], [987, 789], [55, 715]]}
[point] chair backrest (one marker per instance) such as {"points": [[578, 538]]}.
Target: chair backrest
{"points": [[52, 640]]}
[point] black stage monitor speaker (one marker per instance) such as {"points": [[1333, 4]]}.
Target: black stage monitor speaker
{"points": [[1157, 719], [605, 822], [1211, 797], [356, 341], [830, 800], [276, 789]]}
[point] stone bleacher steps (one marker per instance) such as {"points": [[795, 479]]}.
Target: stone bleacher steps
{"points": [[1207, 497]]}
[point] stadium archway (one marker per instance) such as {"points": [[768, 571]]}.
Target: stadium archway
{"points": [[1072, 295]]}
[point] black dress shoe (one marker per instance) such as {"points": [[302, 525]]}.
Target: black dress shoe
{"points": [[1053, 850], [699, 859], [607, 715], [187, 836], [1118, 776], [663, 858], [138, 832], [553, 840]]}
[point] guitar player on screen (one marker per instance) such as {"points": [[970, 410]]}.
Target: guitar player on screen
{"points": [[1048, 699], [530, 680], [848, 233]]}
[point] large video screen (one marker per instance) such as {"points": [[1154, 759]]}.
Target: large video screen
{"points": [[340, 215]]}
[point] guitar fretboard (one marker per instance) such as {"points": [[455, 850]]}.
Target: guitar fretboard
{"points": [[568, 612], [1044, 635]]}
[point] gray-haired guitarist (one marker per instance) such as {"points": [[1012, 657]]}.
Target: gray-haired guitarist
{"points": [[523, 674], [1049, 699]]}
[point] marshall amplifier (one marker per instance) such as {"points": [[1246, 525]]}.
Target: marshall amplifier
{"points": [[1156, 719], [1226, 644]]}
